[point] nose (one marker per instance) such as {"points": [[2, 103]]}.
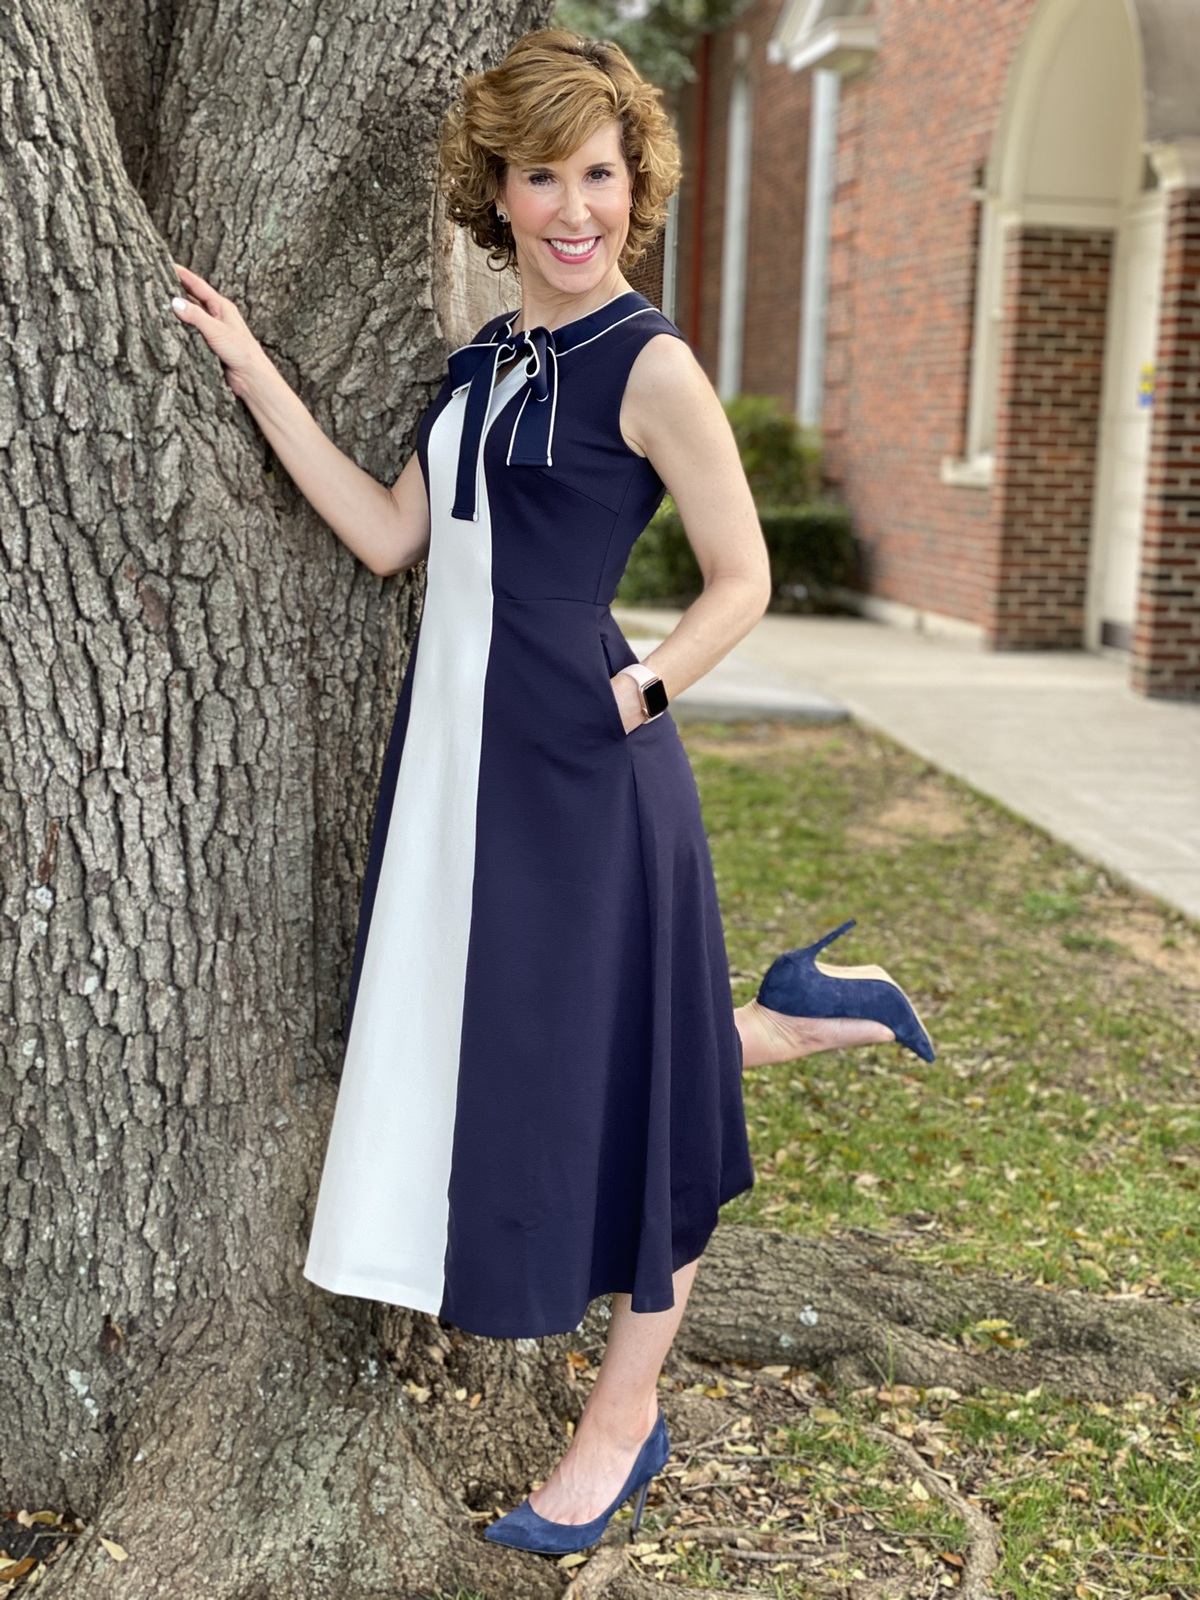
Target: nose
{"points": [[574, 211]]}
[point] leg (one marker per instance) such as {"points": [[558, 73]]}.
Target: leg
{"points": [[620, 1410], [769, 1036]]}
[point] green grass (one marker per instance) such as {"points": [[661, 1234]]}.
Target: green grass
{"points": [[1056, 1138]]}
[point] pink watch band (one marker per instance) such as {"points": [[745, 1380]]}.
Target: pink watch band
{"points": [[642, 675]]}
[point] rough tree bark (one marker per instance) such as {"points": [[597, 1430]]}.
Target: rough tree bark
{"points": [[197, 681]]}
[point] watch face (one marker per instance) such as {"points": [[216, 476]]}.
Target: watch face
{"points": [[655, 697]]}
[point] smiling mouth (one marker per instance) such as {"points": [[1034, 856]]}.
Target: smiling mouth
{"points": [[574, 249]]}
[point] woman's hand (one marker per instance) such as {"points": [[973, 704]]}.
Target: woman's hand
{"points": [[629, 700], [220, 321]]}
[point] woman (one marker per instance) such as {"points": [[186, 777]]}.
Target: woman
{"points": [[541, 1096]]}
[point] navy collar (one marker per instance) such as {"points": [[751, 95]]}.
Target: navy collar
{"points": [[474, 366]]}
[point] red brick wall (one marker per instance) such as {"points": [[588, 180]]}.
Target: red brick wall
{"points": [[1056, 284], [779, 111], [1166, 646], [913, 133]]}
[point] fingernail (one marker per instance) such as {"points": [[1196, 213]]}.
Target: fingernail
{"points": [[179, 303]]}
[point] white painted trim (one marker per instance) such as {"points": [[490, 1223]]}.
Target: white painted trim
{"points": [[670, 256], [731, 328], [818, 200], [1062, 212], [842, 47], [976, 473], [1017, 124], [1177, 163], [1112, 457]]}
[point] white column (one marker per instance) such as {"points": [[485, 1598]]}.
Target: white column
{"points": [[737, 225], [670, 241], [822, 149]]}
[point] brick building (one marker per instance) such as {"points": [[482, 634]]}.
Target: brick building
{"points": [[963, 237]]}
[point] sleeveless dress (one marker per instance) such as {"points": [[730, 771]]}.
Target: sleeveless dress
{"points": [[541, 1096]]}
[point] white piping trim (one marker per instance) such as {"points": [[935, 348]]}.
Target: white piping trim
{"points": [[620, 295], [641, 311], [512, 438], [553, 409]]}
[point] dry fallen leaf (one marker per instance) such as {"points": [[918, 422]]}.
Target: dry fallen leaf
{"points": [[114, 1550]]}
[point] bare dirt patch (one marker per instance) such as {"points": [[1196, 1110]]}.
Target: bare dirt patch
{"points": [[1155, 940], [930, 811]]}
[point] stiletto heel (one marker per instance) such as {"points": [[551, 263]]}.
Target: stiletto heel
{"points": [[797, 984], [525, 1529], [639, 1507]]}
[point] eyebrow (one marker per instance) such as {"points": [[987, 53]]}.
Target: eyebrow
{"points": [[546, 166]]}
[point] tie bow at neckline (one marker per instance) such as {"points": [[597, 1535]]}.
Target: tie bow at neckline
{"points": [[474, 367]]}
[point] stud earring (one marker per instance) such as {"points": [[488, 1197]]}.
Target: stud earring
{"points": [[503, 215]]}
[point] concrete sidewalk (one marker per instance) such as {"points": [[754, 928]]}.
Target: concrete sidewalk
{"points": [[1056, 736]]}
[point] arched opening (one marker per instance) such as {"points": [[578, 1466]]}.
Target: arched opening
{"points": [[1066, 339]]}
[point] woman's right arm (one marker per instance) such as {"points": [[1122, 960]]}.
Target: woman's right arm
{"points": [[387, 529]]}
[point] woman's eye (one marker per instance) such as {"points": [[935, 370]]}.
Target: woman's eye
{"points": [[597, 172]]}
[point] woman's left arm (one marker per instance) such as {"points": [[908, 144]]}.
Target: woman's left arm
{"points": [[671, 413]]}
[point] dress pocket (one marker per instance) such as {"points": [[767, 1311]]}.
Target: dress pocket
{"points": [[614, 711]]}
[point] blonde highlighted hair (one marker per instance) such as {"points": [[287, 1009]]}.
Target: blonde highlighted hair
{"points": [[551, 92]]}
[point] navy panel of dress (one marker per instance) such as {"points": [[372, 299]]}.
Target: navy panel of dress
{"points": [[541, 1096]]}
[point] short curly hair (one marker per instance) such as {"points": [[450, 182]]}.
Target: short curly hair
{"points": [[551, 92]]}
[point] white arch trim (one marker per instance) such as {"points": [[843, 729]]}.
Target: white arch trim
{"points": [[1067, 152]]}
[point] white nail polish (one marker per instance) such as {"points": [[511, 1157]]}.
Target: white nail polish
{"points": [[179, 303]]}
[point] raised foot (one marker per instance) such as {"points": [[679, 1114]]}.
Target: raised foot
{"points": [[772, 1036]]}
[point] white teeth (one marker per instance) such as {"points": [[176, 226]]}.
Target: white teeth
{"points": [[572, 249]]}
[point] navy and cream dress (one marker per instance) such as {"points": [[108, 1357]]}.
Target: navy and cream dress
{"points": [[541, 1096]]}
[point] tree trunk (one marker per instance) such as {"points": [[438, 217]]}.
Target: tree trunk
{"points": [[197, 683]]}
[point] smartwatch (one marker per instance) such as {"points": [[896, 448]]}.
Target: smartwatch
{"points": [[651, 689]]}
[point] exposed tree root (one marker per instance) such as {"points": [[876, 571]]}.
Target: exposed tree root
{"points": [[860, 1313], [610, 1562], [983, 1537]]}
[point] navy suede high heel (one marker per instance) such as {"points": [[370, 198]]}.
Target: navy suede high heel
{"points": [[524, 1529], [797, 984]]}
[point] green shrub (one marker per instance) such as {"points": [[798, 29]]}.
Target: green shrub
{"points": [[781, 460], [811, 549], [809, 540]]}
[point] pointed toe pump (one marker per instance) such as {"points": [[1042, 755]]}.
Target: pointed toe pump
{"points": [[799, 985], [524, 1529]]}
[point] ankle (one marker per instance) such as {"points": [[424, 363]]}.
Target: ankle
{"points": [[622, 1422]]}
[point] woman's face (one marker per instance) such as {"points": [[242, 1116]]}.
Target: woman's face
{"points": [[570, 218]]}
